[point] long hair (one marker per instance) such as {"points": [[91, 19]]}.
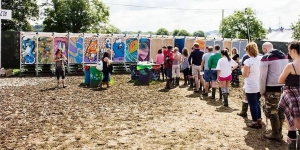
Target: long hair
{"points": [[225, 53], [185, 52], [105, 55], [58, 51]]}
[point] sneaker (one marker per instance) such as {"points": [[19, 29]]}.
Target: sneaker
{"points": [[254, 125]]}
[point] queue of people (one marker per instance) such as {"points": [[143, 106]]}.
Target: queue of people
{"points": [[269, 75]]}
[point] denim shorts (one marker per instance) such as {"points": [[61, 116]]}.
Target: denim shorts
{"points": [[210, 75]]}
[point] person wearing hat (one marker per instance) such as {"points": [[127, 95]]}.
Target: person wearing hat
{"points": [[59, 59], [195, 60]]}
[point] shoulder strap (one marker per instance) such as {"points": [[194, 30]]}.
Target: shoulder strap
{"points": [[294, 68]]}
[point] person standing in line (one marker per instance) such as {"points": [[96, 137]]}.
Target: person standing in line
{"points": [[290, 98], [271, 66], [185, 65], [235, 73], [251, 74], [176, 67], [212, 64], [207, 73], [244, 110], [195, 60], [224, 67], [60, 67], [168, 61], [159, 59]]}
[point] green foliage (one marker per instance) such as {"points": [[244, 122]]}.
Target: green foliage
{"points": [[296, 28], [109, 29], [162, 31], [38, 28], [236, 24], [175, 32], [75, 16], [183, 33], [22, 12], [199, 33]]}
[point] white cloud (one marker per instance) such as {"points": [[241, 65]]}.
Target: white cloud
{"points": [[150, 19]]}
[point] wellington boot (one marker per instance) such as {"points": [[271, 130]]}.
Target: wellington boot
{"points": [[274, 135], [225, 101], [244, 110]]}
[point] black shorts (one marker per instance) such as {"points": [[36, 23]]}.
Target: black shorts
{"points": [[60, 72]]}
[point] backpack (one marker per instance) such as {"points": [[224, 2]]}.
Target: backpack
{"points": [[99, 65], [168, 61]]}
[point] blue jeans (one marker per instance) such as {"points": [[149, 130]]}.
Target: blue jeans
{"points": [[253, 101], [168, 72]]}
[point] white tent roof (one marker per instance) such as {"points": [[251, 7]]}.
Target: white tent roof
{"points": [[280, 36]]}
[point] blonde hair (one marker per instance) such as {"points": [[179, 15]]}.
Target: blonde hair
{"points": [[252, 49], [236, 50], [176, 49]]}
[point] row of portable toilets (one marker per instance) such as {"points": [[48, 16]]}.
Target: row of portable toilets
{"points": [[39, 48]]}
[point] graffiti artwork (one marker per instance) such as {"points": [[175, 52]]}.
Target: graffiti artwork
{"points": [[62, 43], [105, 46], [144, 49], [131, 50], [45, 49], [118, 50], [75, 50], [28, 50], [91, 49]]}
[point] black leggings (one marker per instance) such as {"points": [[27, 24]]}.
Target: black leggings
{"points": [[60, 72], [162, 70]]}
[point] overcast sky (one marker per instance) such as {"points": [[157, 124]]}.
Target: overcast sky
{"points": [[193, 15], [129, 18]]}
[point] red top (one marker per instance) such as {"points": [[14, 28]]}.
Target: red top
{"points": [[170, 54]]}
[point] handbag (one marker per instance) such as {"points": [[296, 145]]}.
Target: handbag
{"points": [[99, 66]]}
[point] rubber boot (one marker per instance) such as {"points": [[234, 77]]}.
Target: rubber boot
{"points": [[244, 110], [274, 135], [168, 83], [177, 81], [173, 81], [185, 81], [225, 101], [220, 93], [280, 127], [298, 141], [213, 93], [191, 82], [293, 145]]}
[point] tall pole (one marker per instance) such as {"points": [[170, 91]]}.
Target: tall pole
{"points": [[222, 22], [246, 13]]}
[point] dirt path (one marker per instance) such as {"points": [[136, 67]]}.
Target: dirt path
{"points": [[38, 116]]}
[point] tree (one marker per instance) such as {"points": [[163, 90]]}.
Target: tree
{"points": [[199, 33], [75, 16], [296, 28], [22, 12], [183, 33], [162, 31], [236, 24], [110, 29], [175, 32]]}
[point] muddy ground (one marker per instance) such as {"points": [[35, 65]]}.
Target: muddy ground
{"points": [[36, 115]]}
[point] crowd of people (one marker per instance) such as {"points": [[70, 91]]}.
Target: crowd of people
{"points": [[270, 75]]}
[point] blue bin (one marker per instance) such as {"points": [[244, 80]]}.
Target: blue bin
{"points": [[87, 78], [134, 72], [145, 76]]}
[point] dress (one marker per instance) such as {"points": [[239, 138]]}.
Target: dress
{"points": [[235, 73], [105, 71]]}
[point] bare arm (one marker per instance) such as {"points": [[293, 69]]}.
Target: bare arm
{"points": [[284, 74], [246, 71], [202, 63]]}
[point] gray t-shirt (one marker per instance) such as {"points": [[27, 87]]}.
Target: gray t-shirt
{"points": [[205, 57]]}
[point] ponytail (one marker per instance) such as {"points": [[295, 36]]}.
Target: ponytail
{"points": [[225, 53]]}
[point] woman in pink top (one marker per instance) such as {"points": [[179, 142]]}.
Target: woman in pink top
{"points": [[160, 60]]}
